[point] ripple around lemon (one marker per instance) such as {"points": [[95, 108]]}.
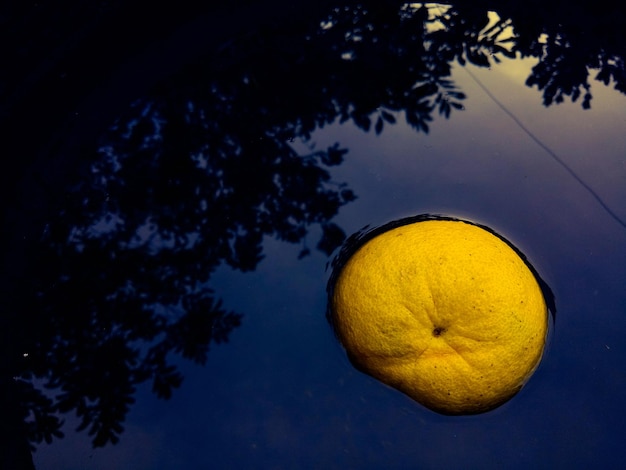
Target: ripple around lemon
{"points": [[443, 310]]}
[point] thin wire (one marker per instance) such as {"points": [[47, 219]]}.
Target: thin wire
{"points": [[548, 150]]}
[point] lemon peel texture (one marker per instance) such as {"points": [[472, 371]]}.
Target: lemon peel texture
{"points": [[443, 310]]}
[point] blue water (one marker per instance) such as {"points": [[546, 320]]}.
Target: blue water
{"points": [[281, 393]]}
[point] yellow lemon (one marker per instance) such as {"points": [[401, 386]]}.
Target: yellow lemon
{"points": [[443, 310]]}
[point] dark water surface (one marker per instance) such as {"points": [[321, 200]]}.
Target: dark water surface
{"points": [[168, 233]]}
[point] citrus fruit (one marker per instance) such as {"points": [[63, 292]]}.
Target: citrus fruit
{"points": [[443, 310]]}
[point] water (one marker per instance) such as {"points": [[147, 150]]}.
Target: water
{"points": [[281, 393]]}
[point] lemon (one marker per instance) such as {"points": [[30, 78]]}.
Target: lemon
{"points": [[443, 310]]}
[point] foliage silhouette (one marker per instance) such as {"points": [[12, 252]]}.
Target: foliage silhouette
{"points": [[123, 270], [202, 167], [571, 40]]}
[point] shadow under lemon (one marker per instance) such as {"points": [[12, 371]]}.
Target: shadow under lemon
{"points": [[444, 310]]}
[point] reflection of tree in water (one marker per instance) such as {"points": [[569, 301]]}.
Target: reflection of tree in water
{"points": [[196, 176], [570, 43], [128, 260], [199, 171]]}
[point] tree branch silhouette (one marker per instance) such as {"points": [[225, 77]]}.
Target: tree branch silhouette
{"points": [[201, 169]]}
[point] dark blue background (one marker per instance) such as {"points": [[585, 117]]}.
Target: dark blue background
{"points": [[281, 393]]}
